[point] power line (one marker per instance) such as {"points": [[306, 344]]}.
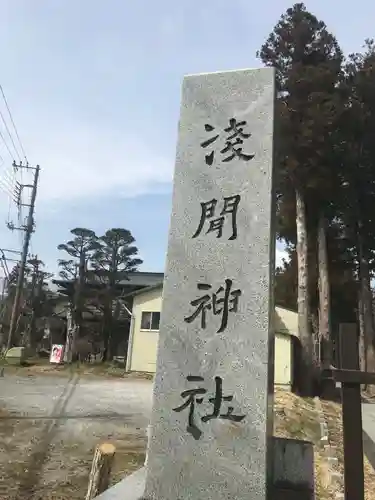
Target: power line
{"points": [[4, 263], [7, 182], [10, 135], [14, 125], [6, 171], [7, 190], [11, 172], [8, 186], [6, 145], [11, 188], [11, 178], [9, 197], [10, 183]]}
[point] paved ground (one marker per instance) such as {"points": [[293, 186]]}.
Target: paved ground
{"points": [[46, 446], [368, 425], [368, 420], [42, 397], [52, 425]]}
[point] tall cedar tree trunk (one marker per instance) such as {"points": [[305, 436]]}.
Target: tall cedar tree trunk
{"points": [[324, 294], [313, 295], [28, 334], [306, 370], [315, 335], [70, 332], [108, 312], [107, 325], [366, 298], [362, 341], [35, 313], [78, 306], [362, 338]]}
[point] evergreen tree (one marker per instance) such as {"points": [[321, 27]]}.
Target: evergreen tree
{"points": [[80, 249], [114, 258], [307, 60], [357, 200]]}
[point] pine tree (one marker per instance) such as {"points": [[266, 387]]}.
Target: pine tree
{"points": [[115, 256], [80, 248]]}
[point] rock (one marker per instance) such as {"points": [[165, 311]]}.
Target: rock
{"points": [[16, 356]]}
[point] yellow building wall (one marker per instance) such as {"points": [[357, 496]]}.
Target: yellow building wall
{"points": [[286, 321], [283, 360], [144, 343], [286, 327]]}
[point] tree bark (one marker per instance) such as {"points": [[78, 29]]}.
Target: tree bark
{"points": [[306, 366], [26, 341], [315, 336], [36, 307], [100, 470], [362, 342], [108, 318], [70, 335], [362, 339], [77, 313], [324, 294], [366, 299], [107, 327]]}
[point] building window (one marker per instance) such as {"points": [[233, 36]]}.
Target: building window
{"points": [[150, 320]]}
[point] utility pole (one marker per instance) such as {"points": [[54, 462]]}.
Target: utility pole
{"points": [[28, 231]]}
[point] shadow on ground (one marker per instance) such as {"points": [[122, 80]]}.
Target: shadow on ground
{"points": [[369, 448], [39, 453]]}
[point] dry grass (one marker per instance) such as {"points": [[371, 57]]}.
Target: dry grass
{"points": [[333, 415], [296, 418]]}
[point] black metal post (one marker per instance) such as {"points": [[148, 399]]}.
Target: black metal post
{"points": [[351, 415]]}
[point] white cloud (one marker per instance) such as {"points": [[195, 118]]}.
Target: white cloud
{"points": [[88, 161]]}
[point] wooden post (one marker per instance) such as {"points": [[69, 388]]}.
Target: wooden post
{"points": [[100, 470], [351, 379], [351, 415]]}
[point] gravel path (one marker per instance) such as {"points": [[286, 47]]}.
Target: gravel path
{"points": [[52, 425], [37, 397]]}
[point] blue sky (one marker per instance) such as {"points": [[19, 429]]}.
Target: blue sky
{"points": [[94, 87]]}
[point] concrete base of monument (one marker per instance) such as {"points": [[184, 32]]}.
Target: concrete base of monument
{"points": [[130, 488], [293, 470], [293, 475]]}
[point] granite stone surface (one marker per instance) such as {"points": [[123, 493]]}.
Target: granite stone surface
{"points": [[130, 488], [218, 334], [293, 462]]}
